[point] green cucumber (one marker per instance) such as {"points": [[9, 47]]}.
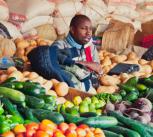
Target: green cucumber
{"points": [[12, 94], [34, 102], [132, 81], [88, 114], [127, 88], [100, 121], [41, 114], [111, 134], [124, 131], [11, 79], [72, 119]]}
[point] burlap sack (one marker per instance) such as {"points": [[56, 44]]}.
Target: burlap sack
{"points": [[118, 36]]}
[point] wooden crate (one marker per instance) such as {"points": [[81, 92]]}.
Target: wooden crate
{"points": [[74, 92]]}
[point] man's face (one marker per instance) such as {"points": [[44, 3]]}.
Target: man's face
{"points": [[82, 33]]}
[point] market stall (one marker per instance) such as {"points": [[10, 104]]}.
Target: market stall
{"points": [[34, 106]]}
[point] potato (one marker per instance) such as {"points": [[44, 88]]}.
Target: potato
{"points": [[33, 75], [22, 44], [131, 56], [124, 76], [143, 62], [11, 69], [3, 77], [107, 89], [107, 80], [51, 92], [39, 79], [26, 73], [151, 64], [119, 58], [60, 100], [48, 85], [61, 89], [106, 69], [106, 62], [17, 74]]}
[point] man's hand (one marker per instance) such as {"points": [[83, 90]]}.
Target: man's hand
{"points": [[92, 65]]}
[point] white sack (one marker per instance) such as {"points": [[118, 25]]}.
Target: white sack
{"points": [[4, 11], [68, 8], [26, 9], [13, 31], [35, 22]]}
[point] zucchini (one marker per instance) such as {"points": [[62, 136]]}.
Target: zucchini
{"points": [[34, 102], [100, 121], [41, 114], [124, 131], [72, 119], [12, 94], [111, 134]]}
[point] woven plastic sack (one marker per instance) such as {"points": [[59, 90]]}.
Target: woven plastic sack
{"points": [[4, 11], [21, 10]]}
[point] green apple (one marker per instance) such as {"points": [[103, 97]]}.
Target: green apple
{"points": [[94, 100], [88, 100], [92, 108], [83, 108]]}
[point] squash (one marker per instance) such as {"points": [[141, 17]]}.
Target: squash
{"points": [[7, 47], [61, 89]]}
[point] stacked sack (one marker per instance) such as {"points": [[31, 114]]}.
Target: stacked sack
{"points": [[63, 14], [29, 14], [7, 30], [145, 8]]}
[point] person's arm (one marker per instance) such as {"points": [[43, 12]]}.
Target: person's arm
{"points": [[94, 66]]}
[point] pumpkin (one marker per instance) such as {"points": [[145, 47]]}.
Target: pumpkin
{"points": [[61, 89], [7, 47]]}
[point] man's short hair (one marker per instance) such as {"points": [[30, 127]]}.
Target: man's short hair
{"points": [[77, 19]]}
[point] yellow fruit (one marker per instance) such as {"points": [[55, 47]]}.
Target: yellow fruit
{"points": [[77, 100]]}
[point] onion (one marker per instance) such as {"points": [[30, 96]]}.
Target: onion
{"points": [[143, 104], [109, 107]]}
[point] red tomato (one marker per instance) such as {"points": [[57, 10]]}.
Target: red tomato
{"points": [[33, 126], [63, 127], [72, 126], [41, 133], [30, 132]]}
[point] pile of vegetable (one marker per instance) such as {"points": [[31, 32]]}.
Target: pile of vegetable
{"points": [[48, 128], [79, 106]]}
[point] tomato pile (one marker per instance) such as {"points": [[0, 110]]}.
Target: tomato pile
{"points": [[48, 128]]}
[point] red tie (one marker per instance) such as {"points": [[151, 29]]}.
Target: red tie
{"points": [[88, 54]]}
